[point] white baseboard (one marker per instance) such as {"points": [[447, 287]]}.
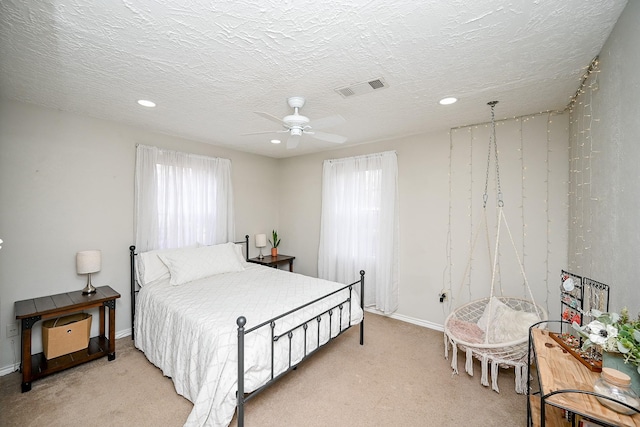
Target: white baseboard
{"points": [[122, 334], [9, 369], [409, 319], [6, 370]]}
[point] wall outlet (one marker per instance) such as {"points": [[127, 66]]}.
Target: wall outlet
{"points": [[13, 329]]}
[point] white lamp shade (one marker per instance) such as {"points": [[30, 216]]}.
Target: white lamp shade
{"points": [[88, 262], [261, 240]]}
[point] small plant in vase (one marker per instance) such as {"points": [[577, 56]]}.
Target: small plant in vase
{"points": [[275, 241]]}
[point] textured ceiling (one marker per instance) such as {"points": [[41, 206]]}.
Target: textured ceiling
{"points": [[209, 65]]}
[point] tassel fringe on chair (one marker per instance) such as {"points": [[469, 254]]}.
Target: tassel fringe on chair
{"points": [[484, 380], [520, 367], [468, 366]]}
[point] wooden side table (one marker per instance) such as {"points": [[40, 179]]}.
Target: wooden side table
{"points": [[32, 310], [564, 384], [274, 262]]}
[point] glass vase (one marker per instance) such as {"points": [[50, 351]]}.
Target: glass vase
{"points": [[616, 385], [616, 361]]}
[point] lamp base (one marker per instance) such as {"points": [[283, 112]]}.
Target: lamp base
{"points": [[260, 256], [89, 289]]}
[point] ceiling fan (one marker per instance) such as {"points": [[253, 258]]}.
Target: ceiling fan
{"points": [[297, 125]]}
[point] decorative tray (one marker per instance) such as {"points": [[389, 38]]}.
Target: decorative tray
{"points": [[572, 345]]}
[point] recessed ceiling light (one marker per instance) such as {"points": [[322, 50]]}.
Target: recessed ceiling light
{"points": [[146, 103], [448, 101], [275, 141]]}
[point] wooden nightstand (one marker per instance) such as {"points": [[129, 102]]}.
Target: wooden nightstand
{"points": [[32, 310], [274, 262]]}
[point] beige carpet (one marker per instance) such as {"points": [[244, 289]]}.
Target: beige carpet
{"points": [[398, 378]]}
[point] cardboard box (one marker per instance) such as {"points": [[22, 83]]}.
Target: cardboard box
{"points": [[66, 334]]}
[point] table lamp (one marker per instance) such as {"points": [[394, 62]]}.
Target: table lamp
{"points": [[88, 262], [261, 242]]}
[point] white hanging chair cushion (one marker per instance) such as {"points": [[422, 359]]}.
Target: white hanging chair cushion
{"points": [[504, 324]]}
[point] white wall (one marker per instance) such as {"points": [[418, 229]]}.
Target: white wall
{"points": [[604, 235], [66, 184], [534, 148]]}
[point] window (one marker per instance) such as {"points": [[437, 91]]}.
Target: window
{"points": [[182, 199], [359, 225]]}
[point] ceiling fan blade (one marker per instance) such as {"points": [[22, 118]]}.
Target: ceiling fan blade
{"points": [[264, 132], [327, 122], [270, 117], [330, 137], [293, 141]]}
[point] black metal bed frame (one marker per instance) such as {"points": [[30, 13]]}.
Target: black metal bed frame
{"points": [[242, 397]]}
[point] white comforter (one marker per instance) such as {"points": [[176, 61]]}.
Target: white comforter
{"points": [[190, 332]]}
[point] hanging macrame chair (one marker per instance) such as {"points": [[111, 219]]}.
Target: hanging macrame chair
{"points": [[494, 329]]}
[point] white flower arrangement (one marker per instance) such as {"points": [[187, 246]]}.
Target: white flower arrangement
{"points": [[614, 333]]}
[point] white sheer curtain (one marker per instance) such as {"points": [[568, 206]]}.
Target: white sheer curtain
{"points": [[360, 226], [181, 199]]}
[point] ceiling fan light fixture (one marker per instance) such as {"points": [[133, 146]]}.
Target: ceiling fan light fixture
{"points": [[448, 100], [296, 120]]}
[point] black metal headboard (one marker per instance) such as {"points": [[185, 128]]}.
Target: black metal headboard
{"points": [[135, 288]]}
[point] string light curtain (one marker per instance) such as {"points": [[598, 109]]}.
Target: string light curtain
{"points": [[582, 154], [534, 175], [181, 199], [360, 225]]}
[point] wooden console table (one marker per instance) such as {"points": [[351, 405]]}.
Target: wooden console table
{"points": [[32, 310], [565, 388]]}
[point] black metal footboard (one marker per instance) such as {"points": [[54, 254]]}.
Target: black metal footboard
{"points": [[314, 322]]}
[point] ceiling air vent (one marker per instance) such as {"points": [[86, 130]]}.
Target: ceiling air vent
{"points": [[362, 88]]}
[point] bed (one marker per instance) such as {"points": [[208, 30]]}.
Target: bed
{"points": [[224, 329]]}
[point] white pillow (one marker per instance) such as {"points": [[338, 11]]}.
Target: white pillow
{"points": [[511, 325], [239, 249], [506, 324], [197, 263], [150, 267], [493, 303]]}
